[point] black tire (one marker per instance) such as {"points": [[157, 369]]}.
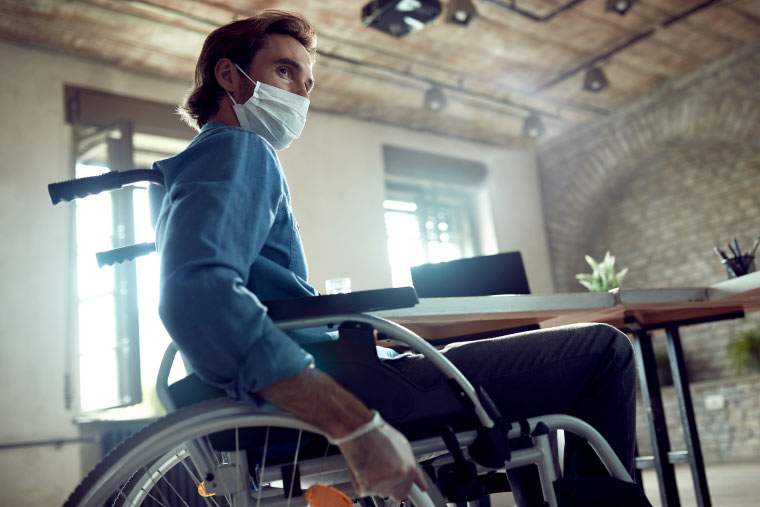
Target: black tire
{"points": [[163, 437]]}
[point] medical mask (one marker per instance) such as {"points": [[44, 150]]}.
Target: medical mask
{"points": [[275, 114]]}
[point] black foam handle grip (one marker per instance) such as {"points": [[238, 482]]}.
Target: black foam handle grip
{"points": [[126, 253], [81, 187]]}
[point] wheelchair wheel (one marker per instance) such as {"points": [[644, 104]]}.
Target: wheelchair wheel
{"points": [[218, 453]]}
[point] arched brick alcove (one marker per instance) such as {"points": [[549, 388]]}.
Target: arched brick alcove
{"points": [[584, 174], [658, 184]]}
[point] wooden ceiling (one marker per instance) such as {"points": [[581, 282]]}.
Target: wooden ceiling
{"points": [[497, 70]]}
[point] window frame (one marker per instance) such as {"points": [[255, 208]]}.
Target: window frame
{"points": [[92, 113], [427, 195]]}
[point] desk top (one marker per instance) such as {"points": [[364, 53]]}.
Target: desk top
{"points": [[436, 318]]}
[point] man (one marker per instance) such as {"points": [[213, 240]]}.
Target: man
{"points": [[228, 241]]}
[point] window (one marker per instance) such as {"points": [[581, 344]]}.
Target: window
{"points": [[427, 225], [433, 207], [99, 348], [120, 340]]}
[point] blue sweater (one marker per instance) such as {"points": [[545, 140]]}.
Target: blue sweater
{"points": [[228, 240]]}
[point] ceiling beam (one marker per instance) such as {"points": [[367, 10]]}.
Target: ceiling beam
{"points": [[493, 99]]}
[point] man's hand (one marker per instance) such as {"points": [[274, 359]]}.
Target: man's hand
{"points": [[381, 461]]}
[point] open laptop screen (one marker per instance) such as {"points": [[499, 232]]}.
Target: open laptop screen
{"points": [[486, 275]]}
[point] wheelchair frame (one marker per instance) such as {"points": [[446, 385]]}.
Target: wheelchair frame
{"points": [[176, 428]]}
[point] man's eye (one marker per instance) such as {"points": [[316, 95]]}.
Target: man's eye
{"points": [[283, 71]]}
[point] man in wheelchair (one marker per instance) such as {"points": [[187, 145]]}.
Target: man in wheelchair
{"points": [[228, 241]]}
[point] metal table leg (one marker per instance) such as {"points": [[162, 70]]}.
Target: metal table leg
{"points": [[658, 430], [688, 421], [637, 475]]}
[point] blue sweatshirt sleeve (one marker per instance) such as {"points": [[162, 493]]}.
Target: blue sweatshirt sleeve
{"points": [[221, 204]]}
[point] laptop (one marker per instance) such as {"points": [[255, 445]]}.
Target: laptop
{"points": [[487, 275]]}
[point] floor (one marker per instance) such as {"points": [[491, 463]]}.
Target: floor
{"points": [[731, 485]]}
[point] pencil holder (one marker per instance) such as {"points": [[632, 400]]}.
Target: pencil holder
{"points": [[738, 266]]}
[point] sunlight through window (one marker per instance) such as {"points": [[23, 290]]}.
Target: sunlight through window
{"points": [[426, 226]]}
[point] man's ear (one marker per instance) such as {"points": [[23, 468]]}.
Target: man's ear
{"points": [[226, 75]]}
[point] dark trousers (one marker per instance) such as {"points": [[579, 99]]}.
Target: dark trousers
{"points": [[583, 370]]}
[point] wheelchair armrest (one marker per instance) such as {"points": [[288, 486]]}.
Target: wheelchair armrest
{"points": [[354, 302]]}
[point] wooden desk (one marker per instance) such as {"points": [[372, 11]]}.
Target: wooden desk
{"points": [[437, 318], [637, 312]]}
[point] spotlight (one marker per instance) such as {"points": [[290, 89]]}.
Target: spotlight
{"points": [[435, 100], [399, 17], [620, 6], [533, 127], [595, 80], [460, 12]]}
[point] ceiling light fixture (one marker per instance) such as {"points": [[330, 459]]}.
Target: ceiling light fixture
{"points": [[533, 127], [460, 12], [435, 100], [620, 6], [595, 80]]}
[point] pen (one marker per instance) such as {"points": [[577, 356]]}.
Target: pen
{"points": [[720, 252], [731, 248], [754, 247], [739, 258]]}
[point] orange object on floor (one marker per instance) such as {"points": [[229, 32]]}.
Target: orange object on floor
{"points": [[320, 495], [202, 490]]}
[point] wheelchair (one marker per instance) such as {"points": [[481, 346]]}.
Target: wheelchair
{"points": [[213, 451]]}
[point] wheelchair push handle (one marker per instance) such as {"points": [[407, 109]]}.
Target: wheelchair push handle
{"points": [[126, 253], [82, 187], [91, 185]]}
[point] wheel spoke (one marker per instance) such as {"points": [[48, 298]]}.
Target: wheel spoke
{"points": [[171, 486], [237, 460], [263, 467], [157, 487], [324, 471], [197, 482], [295, 464], [120, 491]]}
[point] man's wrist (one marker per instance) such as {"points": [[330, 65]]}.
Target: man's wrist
{"points": [[348, 421], [375, 423]]}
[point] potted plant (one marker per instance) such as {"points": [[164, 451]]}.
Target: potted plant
{"points": [[602, 277], [744, 351]]}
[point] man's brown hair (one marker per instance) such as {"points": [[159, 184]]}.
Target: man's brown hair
{"points": [[239, 41]]}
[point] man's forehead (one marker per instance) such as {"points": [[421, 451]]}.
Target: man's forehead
{"points": [[279, 46]]}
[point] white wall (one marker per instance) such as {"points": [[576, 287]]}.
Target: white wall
{"points": [[336, 177], [515, 195], [35, 264]]}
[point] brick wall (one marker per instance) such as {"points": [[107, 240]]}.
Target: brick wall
{"points": [[658, 185], [729, 429]]}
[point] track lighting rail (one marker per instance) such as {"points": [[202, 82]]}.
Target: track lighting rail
{"points": [[512, 6], [635, 39]]}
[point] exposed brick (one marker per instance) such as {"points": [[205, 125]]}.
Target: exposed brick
{"points": [[726, 435], [658, 185]]}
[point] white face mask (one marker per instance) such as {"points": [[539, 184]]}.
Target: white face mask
{"points": [[275, 114]]}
